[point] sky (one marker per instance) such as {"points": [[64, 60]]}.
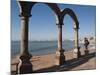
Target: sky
{"points": [[42, 24]]}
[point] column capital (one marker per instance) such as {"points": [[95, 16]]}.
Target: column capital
{"points": [[25, 8], [59, 20], [76, 25], [59, 25], [75, 28], [24, 15], [24, 18]]}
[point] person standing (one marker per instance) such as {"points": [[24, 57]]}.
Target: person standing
{"points": [[86, 44]]}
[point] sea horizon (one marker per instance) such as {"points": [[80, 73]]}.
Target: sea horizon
{"points": [[40, 47]]}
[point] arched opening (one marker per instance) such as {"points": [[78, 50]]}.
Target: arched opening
{"points": [[68, 36], [76, 28], [68, 33], [42, 30]]}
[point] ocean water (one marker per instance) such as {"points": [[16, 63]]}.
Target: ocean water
{"points": [[40, 47]]}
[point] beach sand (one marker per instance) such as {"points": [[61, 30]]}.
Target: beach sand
{"points": [[46, 63]]}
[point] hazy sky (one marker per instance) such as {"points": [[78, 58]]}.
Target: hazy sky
{"points": [[42, 24]]}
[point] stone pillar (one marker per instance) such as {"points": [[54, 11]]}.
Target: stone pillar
{"points": [[60, 37], [24, 36], [60, 58], [24, 65], [76, 43]]}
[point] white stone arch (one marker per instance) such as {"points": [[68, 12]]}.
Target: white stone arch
{"points": [[50, 7], [25, 12]]}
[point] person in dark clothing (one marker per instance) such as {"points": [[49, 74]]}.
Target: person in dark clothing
{"points": [[86, 44]]}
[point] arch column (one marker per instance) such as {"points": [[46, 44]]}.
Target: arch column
{"points": [[77, 52], [60, 57], [24, 36], [24, 65]]}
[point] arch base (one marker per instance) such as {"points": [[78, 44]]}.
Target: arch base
{"points": [[24, 65], [60, 57], [76, 53]]}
